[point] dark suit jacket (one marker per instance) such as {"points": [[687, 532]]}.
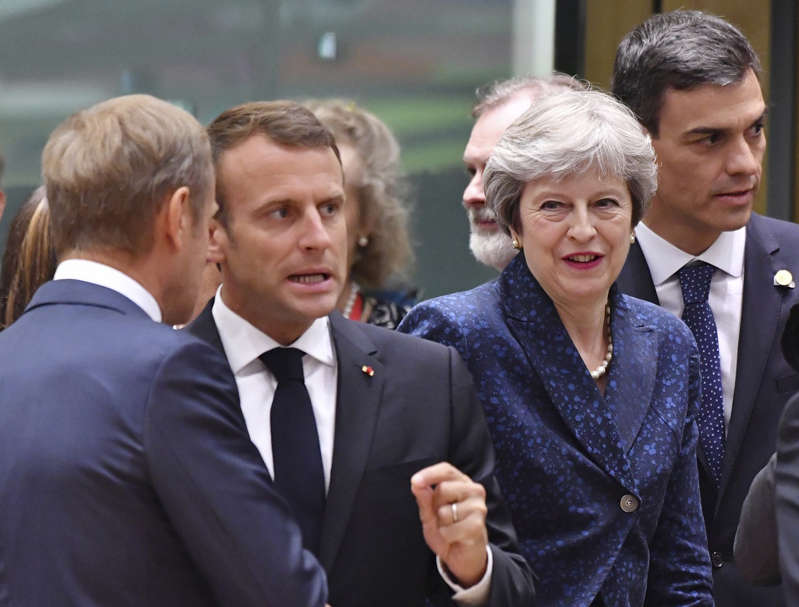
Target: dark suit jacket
{"points": [[787, 500], [603, 490], [417, 409], [763, 384], [757, 538], [755, 548], [126, 474]]}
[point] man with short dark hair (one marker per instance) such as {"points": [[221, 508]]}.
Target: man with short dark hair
{"points": [[497, 106], [127, 476], [692, 79], [376, 439]]}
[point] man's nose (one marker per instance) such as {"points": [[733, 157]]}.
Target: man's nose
{"points": [[474, 195], [314, 232]]}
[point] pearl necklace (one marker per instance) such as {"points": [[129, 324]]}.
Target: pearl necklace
{"points": [[354, 288], [603, 366]]}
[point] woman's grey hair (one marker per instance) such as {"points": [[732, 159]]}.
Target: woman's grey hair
{"points": [[383, 190], [568, 134]]}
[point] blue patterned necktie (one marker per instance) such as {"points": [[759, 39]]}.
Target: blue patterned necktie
{"points": [[297, 460], [695, 285]]}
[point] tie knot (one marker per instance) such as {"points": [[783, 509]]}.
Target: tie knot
{"points": [[695, 282], [284, 363]]}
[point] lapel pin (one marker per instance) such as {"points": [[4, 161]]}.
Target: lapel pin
{"points": [[783, 278], [367, 370]]}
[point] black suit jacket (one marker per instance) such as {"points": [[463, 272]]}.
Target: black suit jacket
{"points": [[763, 384], [787, 500], [126, 474], [418, 408]]}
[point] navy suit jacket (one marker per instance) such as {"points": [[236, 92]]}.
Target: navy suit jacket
{"points": [[416, 409], [126, 474], [603, 490], [763, 384]]}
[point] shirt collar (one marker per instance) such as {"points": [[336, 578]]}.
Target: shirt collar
{"points": [[243, 342], [664, 259], [110, 278]]}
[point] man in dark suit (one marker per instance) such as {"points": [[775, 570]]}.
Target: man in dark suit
{"points": [[126, 475], [766, 550], [384, 456], [692, 80]]}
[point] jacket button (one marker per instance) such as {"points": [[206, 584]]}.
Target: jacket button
{"points": [[629, 503], [716, 559]]}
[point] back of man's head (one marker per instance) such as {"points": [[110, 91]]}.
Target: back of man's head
{"points": [[283, 122], [108, 170], [500, 92], [680, 50]]}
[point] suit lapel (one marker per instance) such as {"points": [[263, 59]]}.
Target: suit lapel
{"points": [[632, 372], [760, 314], [635, 278], [357, 407], [572, 392], [204, 327]]}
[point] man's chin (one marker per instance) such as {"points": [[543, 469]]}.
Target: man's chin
{"points": [[495, 250]]}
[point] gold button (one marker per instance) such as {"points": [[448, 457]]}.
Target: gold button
{"points": [[629, 503]]}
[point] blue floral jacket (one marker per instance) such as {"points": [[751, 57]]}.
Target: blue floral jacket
{"points": [[603, 490]]}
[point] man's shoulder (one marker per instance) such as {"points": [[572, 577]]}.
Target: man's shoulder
{"points": [[408, 359], [762, 225], [111, 334], [385, 340]]}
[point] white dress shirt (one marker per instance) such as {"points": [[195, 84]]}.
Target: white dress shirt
{"points": [[243, 344], [726, 291], [110, 278]]}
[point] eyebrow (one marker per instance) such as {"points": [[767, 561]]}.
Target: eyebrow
{"points": [[608, 192], [274, 202], [709, 130]]}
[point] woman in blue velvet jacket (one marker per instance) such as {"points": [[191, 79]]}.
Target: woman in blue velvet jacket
{"points": [[591, 395]]}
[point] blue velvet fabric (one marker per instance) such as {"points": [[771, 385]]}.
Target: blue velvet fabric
{"points": [[568, 456]]}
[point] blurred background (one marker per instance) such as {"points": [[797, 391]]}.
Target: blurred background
{"points": [[414, 63]]}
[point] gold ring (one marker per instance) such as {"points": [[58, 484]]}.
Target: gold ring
{"points": [[454, 507]]}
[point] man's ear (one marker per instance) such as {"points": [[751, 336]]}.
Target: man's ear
{"points": [[177, 216], [217, 238], [2, 202]]}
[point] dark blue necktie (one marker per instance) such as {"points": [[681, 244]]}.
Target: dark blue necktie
{"points": [[695, 285], [296, 456]]}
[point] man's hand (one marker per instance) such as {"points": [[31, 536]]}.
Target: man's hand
{"points": [[452, 509]]}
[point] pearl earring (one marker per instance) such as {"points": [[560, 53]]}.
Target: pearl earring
{"points": [[516, 244], [363, 241], [632, 238]]}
